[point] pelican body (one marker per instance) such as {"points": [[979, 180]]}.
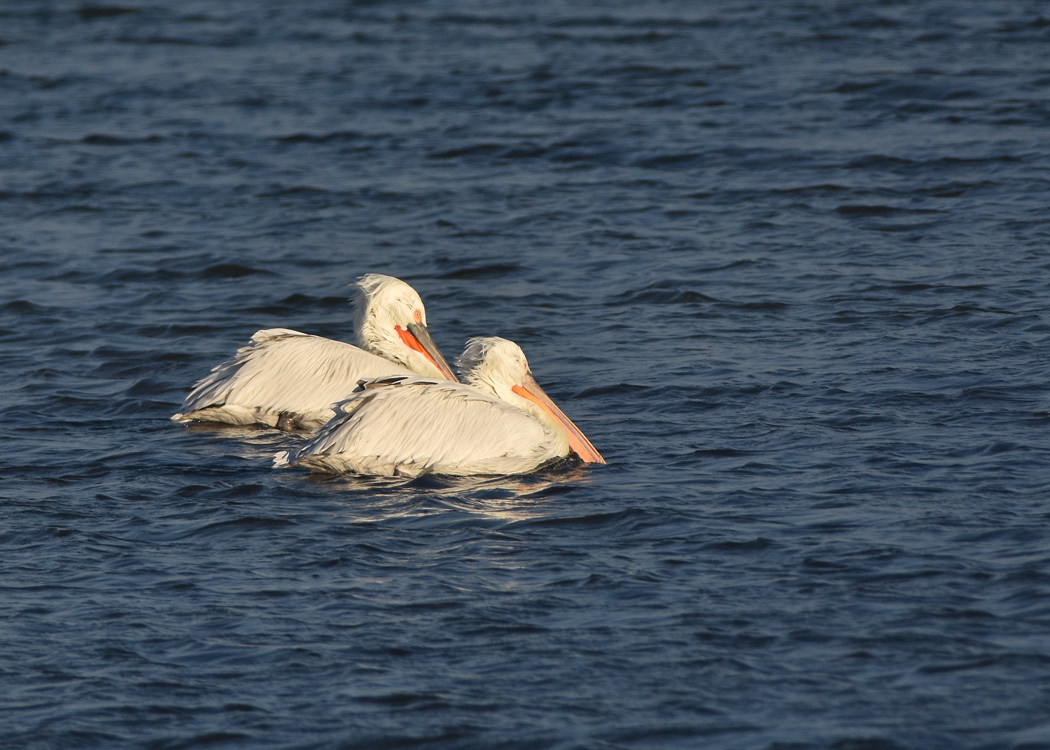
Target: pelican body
{"points": [[499, 422], [290, 380]]}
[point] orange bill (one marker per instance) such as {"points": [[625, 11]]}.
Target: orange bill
{"points": [[417, 337], [531, 390]]}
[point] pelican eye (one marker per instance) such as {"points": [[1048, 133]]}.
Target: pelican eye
{"points": [[417, 316]]}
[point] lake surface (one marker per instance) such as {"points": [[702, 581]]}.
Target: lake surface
{"points": [[786, 264]]}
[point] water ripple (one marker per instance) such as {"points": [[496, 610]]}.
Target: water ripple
{"points": [[783, 263]]}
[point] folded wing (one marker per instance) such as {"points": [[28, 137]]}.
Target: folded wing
{"points": [[283, 375], [412, 425]]}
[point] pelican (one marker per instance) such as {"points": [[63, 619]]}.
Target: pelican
{"points": [[290, 380], [499, 422]]}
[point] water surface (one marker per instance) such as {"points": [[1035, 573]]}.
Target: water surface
{"points": [[784, 263]]}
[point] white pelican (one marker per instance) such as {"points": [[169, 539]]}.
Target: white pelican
{"points": [[501, 423], [290, 380]]}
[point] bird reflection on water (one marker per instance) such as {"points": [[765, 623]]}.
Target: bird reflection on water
{"points": [[505, 498]]}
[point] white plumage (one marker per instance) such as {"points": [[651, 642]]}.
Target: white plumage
{"points": [[289, 379], [501, 423]]}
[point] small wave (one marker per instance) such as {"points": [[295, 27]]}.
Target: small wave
{"points": [[477, 149], [237, 526], [231, 271], [758, 544], [881, 210], [671, 159], [336, 136], [140, 274], [294, 190], [25, 307], [98, 139], [661, 294], [96, 12], [483, 271], [406, 700]]}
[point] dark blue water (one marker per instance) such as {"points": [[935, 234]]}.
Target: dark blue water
{"points": [[786, 264]]}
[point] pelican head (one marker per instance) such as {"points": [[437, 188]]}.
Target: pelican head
{"points": [[391, 321], [498, 366]]}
